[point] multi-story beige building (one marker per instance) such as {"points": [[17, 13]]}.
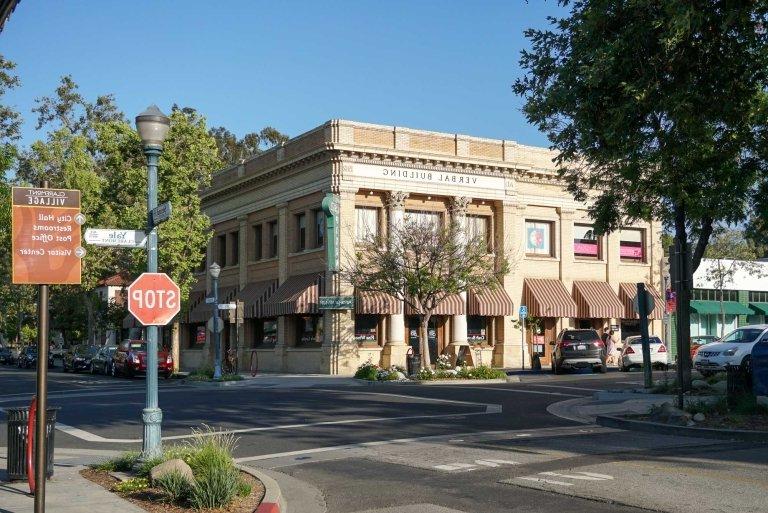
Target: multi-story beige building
{"points": [[271, 236]]}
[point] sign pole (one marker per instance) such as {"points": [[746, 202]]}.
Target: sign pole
{"points": [[522, 345], [216, 335], [41, 462], [642, 311]]}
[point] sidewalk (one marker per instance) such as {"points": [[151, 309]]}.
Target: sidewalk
{"points": [[66, 492], [585, 409]]}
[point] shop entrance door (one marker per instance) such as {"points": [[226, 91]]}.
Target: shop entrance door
{"points": [[434, 336], [538, 342]]}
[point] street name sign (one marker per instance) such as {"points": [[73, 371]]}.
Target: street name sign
{"points": [[523, 311], [154, 299], [45, 236], [227, 306], [210, 300], [336, 302], [160, 214], [117, 238]]}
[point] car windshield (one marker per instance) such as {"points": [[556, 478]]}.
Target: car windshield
{"points": [[581, 335], [743, 335]]}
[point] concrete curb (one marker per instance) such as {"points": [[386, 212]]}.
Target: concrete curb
{"points": [[273, 501], [608, 396], [667, 429], [566, 410], [212, 384], [439, 382]]}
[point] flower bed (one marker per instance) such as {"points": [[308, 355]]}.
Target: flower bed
{"points": [[206, 374], [372, 372], [211, 481]]}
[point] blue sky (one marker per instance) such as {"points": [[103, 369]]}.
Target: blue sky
{"points": [[435, 65]]}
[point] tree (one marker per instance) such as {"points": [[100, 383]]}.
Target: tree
{"points": [[657, 110], [422, 264], [730, 253], [234, 150]]}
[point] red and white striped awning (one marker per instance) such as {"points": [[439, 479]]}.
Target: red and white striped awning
{"points": [[254, 295], [377, 303], [547, 298], [451, 305], [597, 300], [297, 295], [490, 302], [627, 293]]}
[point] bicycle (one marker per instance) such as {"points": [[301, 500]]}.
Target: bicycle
{"points": [[254, 363], [230, 362]]}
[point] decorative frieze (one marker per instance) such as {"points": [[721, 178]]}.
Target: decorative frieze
{"points": [[396, 200]]}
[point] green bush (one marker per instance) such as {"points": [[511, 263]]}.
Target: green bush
{"points": [[132, 485], [147, 465], [175, 486], [231, 377], [122, 463], [485, 372], [216, 486], [202, 374], [367, 371], [243, 489], [426, 374]]}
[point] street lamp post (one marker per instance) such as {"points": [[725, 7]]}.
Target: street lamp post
{"points": [[214, 271], [152, 126]]}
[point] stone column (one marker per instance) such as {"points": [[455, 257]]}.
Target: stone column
{"points": [[459, 321], [283, 330], [395, 348]]}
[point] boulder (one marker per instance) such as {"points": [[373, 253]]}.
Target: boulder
{"points": [[720, 386], [699, 417], [699, 383], [169, 467]]}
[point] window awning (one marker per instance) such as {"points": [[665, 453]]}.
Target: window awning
{"points": [[759, 308], [297, 295], [376, 303], [490, 302], [195, 298], [596, 300], [451, 305], [202, 311], [254, 295], [713, 308], [627, 293], [547, 298]]}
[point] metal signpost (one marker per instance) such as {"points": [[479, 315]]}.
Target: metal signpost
{"points": [[216, 325], [116, 238], [45, 248], [523, 315], [643, 304]]}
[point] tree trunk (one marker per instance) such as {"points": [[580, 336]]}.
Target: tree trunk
{"points": [[684, 296], [424, 341], [90, 318]]}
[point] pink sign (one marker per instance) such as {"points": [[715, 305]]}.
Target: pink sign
{"points": [[631, 251], [585, 248]]}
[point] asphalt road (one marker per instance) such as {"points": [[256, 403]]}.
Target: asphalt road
{"points": [[339, 446]]}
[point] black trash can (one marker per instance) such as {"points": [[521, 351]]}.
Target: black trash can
{"points": [[414, 364], [17, 442]]}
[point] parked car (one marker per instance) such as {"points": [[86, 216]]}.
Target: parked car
{"points": [[632, 353], [734, 349], [28, 358], [6, 356], [130, 359], [578, 349], [79, 357], [101, 363], [701, 340]]}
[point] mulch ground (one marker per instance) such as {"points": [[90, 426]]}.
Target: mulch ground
{"points": [[714, 421], [153, 499]]}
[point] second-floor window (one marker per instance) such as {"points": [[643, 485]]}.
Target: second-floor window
{"points": [[221, 250], [319, 228], [366, 223], [585, 243], [257, 242], [477, 228], [273, 239], [631, 245], [301, 232], [234, 237], [538, 238]]}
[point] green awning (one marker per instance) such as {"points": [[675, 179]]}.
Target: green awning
{"points": [[759, 308], [713, 308]]}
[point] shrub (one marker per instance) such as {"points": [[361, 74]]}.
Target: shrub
{"points": [[132, 485], [122, 463], [425, 374], [231, 377], [367, 371], [216, 486], [147, 465], [243, 489], [175, 486], [485, 372], [204, 373], [443, 362]]}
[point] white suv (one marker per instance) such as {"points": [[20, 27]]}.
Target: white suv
{"points": [[734, 349]]}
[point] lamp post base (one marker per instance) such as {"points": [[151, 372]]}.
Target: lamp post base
{"points": [[152, 419]]}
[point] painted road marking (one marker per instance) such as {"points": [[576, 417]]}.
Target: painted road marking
{"points": [[565, 386], [493, 463], [519, 391], [578, 476], [548, 481]]}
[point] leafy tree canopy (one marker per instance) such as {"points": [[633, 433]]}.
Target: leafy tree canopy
{"points": [[234, 150]]}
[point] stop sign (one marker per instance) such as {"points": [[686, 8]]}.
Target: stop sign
{"points": [[154, 299]]}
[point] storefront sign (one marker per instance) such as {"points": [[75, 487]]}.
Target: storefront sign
{"points": [[46, 236], [671, 301], [336, 302], [406, 176]]}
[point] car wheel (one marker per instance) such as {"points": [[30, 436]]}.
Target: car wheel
{"points": [[624, 368], [603, 369], [93, 369], [746, 365]]}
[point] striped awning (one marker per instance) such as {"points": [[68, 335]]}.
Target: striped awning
{"points": [[490, 302], [596, 300], [547, 298], [451, 305], [378, 303], [202, 311], [297, 295], [254, 295], [627, 293]]}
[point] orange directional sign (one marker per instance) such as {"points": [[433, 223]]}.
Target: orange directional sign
{"points": [[46, 236], [154, 299]]}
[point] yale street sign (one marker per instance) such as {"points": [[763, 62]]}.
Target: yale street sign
{"points": [[336, 303], [118, 238], [160, 214], [154, 299], [227, 306], [45, 236]]}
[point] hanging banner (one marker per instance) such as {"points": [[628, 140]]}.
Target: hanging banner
{"points": [[45, 236]]}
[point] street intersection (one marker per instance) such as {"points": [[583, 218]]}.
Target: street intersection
{"points": [[339, 445]]}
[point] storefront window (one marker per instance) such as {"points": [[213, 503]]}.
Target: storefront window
{"points": [[366, 329], [477, 329], [196, 335], [301, 232], [585, 243], [319, 228], [631, 246], [477, 228], [264, 332], [367, 224], [309, 330], [538, 238]]}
